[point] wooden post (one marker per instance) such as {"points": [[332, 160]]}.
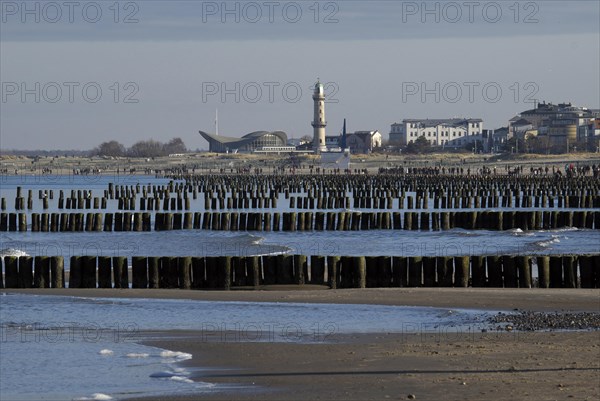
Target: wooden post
{"points": [[462, 271], [198, 272], [429, 271], [524, 270], [495, 275], [333, 265], [184, 270], [41, 274], [372, 272], [360, 272], [224, 272], [285, 269], [57, 272], [25, 273], [570, 271], [153, 272], [253, 270], [139, 272], [510, 271], [556, 272], [478, 271], [586, 268], [75, 272], [543, 265], [300, 269], [270, 267], [104, 272], [120, 272], [400, 271], [415, 271], [11, 271]]}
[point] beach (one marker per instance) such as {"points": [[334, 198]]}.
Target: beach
{"points": [[413, 364]]}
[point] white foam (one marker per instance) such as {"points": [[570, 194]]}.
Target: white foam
{"points": [[106, 352], [137, 355], [12, 252], [547, 243], [95, 396], [178, 374], [181, 379], [175, 354]]}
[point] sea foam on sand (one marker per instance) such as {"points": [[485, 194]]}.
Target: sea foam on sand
{"points": [[95, 396], [180, 356]]}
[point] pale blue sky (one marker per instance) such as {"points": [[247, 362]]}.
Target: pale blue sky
{"points": [[374, 54]]}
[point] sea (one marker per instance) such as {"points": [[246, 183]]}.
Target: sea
{"points": [[68, 348]]}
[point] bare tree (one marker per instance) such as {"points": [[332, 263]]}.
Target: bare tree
{"points": [[175, 145], [110, 148], [306, 139], [149, 148]]}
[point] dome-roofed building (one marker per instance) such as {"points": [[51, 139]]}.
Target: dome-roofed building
{"points": [[248, 143]]}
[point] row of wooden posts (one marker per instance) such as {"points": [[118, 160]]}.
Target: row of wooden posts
{"points": [[234, 191], [299, 221], [226, 272], [323, 202]]}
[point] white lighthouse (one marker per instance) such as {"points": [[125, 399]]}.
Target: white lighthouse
{"points": [[319, 122]]}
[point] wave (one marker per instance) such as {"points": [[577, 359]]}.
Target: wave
{"points": [[179, 356], [255, 239], [12, 252], [520, 233], [560, 230], [172, 375], [137, 355], [548, 242]]}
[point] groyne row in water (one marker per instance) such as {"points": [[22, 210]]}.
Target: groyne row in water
{"points": [[333, 192], [248, 272], [312, 202], [299, 221]]}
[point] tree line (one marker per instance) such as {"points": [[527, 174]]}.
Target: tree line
{"points": [[149, 148]]}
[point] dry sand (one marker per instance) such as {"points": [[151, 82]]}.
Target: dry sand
{"points": [[439, 366]]}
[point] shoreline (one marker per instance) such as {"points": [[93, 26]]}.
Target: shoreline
{"points": [[528, 299], [493, 365], [213, 163]]}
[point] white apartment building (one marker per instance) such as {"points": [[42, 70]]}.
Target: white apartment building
{"points": [[451, 132]]}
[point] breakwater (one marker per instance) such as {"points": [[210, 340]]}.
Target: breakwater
{"points": [[383, 191], [247, 272], [300, 221]]}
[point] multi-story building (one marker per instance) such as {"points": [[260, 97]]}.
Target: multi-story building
{"points": [[451, 132], [563, 124]]}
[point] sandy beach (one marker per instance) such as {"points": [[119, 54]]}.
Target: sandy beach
{"points": [[479, 365]]}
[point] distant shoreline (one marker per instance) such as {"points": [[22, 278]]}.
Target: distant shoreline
{"points": [[212, 163]]}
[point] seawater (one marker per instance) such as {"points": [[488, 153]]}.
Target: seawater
{"points": [[455, 242], [62, 348]]}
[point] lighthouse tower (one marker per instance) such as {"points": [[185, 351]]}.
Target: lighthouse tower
{"points": [[319, 122]]}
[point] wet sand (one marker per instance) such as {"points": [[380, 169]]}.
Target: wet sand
{"points": [[442, 366], [534, 299], [445, 365]]}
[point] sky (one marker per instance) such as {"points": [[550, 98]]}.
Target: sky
{"points": [[76, 74]]}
